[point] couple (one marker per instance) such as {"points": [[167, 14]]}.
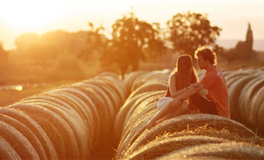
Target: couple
{"points": [[184, 89]]}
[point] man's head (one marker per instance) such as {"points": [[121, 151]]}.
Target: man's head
{"points": [[205, 57]]}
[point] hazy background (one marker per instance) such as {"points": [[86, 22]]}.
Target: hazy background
{"points": [[39, 16], [41, 40]]}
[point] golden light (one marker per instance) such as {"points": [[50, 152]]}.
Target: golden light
{"points": [[27, 16], [18, 88]]}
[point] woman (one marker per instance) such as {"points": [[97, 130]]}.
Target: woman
{"points": [[179, 80]]}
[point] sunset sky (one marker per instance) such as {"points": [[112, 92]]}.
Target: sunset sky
{"points": [[39, 16]]}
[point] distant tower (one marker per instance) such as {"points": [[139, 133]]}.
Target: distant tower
{"points": [[249, 37]]}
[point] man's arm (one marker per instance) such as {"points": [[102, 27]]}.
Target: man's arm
{"points": [[192, 89]]}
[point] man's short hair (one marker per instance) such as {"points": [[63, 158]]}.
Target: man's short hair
{"points": [[207, 54]]}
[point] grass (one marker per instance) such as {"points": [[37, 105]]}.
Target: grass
{"points": [[27, 73], [8, 97]]}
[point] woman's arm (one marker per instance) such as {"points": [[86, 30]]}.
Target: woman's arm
{"points": [[172, 87]]}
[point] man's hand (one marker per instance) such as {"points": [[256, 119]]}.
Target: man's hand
{"points": [[174, 103]]}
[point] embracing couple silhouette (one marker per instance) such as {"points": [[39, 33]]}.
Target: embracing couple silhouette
{"points": [[183, 89]]}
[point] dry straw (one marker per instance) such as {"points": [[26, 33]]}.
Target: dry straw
{"points": [[131, 133], [226, 150], [68, 122], [232, 76], [200, 131], [160, 147], [60, 132], [234, 92], [130, 102], [154, 86], [32, 125], [131, 78], [178, 124], [74, 121], [248, 92], [142, 102]]}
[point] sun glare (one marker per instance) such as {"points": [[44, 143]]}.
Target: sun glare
{"points": [[29, 15]]}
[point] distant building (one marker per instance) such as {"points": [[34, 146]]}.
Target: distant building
{"points": [[244, 49]]}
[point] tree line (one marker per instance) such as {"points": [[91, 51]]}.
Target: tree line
{"points": [[132, 41]]}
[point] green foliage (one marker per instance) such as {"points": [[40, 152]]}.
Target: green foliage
{"points": [[190, 31]]}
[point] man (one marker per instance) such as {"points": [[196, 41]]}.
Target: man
{"points": [[213, 81]]}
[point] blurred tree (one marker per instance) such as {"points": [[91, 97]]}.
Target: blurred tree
{"points": [[46, 48], [189, 31], [132, 40], [95, 43], [42, 54], [24, 41], [3, 55]]}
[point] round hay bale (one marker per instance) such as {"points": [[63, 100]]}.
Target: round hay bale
{"points": [[256, 104], [234, 76], [104, 103], [80, 99], [149, 87], [141, 104], [152, 81], [122, 114], [185, 122], [160, 147], [18, 142], [260, 121], [72, 103], [226, 150], [105, 106], [76, 124], [7, 151], [73, 99], [110, 94], [234, 92], [200, 131], [117, 85], [31, 124], [56, 128], [131, 78], [108, 74], [246, 95], [98, 104], [76, 104], [113, 95], [132, 132], [156, 75], [26, 132], [151, 76]]}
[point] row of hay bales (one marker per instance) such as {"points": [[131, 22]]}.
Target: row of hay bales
{"points": [[67, 122], [189, 136], [246, 92]]}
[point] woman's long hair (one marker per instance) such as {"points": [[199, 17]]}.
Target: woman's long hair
{"points": [[183, 78]]}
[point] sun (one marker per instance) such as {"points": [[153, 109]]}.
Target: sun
{"points": [[27, 16]]}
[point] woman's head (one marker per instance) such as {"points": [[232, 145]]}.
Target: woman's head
{"points": [[184, 63], [185, 72]]}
